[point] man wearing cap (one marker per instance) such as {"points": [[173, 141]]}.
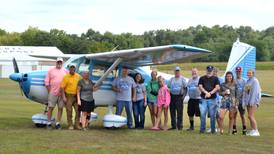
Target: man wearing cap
{"points": [[69, 91], [194, 94], [125, 89], [208, 85], [178, 90], [240, 82], [53, 80]]}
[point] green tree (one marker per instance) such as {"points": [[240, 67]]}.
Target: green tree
{"points": [[10, 39]]}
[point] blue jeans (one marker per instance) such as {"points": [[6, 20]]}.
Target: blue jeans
{"points": [[139, 111], [119, 109], [210, 106]]}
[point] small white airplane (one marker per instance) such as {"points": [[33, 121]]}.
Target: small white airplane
{"points": [[104, 67]]}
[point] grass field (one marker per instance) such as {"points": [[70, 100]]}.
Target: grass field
{"points": [[18, 134]]}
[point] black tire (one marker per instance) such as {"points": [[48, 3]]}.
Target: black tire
{"points": [[111, 128], [40, 125]]}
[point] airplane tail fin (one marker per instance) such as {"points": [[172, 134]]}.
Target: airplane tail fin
{"points": [[243, 55]]}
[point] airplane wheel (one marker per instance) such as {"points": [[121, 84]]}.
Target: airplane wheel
{"points": [[111, 128], [40, 125]]}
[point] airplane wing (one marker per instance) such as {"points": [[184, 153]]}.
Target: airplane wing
{"points": [[64, 56], [266, 95], [150, 55]]}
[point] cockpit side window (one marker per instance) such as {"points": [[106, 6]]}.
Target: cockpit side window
{"points": [[84, 66], [99, 70]]}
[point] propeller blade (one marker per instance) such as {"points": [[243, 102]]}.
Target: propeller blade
{"points": [[15, 66], [16, 70]]}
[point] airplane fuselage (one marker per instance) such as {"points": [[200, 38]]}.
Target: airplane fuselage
{"points": [[34, 88]]}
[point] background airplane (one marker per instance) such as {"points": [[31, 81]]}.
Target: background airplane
{"points": [[104, 67]]}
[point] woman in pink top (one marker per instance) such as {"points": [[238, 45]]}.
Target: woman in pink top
{"points": [[163, 101]]}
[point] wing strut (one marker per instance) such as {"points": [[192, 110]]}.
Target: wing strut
{"points": [[111, 68]]}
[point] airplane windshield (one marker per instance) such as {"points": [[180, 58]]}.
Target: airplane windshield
{"points": [[96, 69]]}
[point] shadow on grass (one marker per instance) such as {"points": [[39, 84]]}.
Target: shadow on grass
{"points": [[15, 123]]}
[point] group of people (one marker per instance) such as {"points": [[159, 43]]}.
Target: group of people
{"points": [[69, 90], [209, 96]]}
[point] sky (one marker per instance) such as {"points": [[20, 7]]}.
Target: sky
{"points": [[134, 16]]}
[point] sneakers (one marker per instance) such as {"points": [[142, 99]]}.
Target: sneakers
{"points": [[253, 133], [234, 131], [58, 126], [244, 132], [216, 130], [49, 126]]}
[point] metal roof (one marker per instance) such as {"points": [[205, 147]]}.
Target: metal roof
{"points": [[21, 53]]}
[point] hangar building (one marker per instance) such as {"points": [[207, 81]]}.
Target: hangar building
{"points": [[25, 62]]}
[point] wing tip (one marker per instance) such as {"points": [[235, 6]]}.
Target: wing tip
{"points": [[190, 48]]}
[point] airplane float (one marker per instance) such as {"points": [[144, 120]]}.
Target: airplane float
{"points": [[104, 67]]}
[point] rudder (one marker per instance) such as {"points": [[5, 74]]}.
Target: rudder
{"points": [[243, 55]]}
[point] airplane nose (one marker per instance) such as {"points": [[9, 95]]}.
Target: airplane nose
{"points": [[16, 77]]}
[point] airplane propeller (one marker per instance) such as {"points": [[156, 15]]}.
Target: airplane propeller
{"points": [[15, 66], [17, 75]]}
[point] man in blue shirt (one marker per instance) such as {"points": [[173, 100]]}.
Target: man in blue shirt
{"points": [[178, 90], [125, 89]]}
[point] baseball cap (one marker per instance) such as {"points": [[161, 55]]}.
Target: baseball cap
{"points": [[238, 69], [72, 65], [209, 68], [60, 59], [177, 68]]}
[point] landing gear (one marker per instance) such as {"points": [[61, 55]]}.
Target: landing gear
{"points": [[41, 119], [40, 125], [112, 121]]}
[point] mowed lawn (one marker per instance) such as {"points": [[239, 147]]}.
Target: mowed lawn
{"points": [[19, 135]]}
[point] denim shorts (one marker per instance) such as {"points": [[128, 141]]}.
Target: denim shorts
{"points": [[152, 103]]}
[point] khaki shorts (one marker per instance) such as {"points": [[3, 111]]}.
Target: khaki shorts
{"points": [[53, 100]]}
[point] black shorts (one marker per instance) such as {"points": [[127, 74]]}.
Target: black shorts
{"points": [[87, 106], [193, 107], [241, 109]]}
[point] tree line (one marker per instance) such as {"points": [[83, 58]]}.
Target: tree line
{"points": [[217, 38]]}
